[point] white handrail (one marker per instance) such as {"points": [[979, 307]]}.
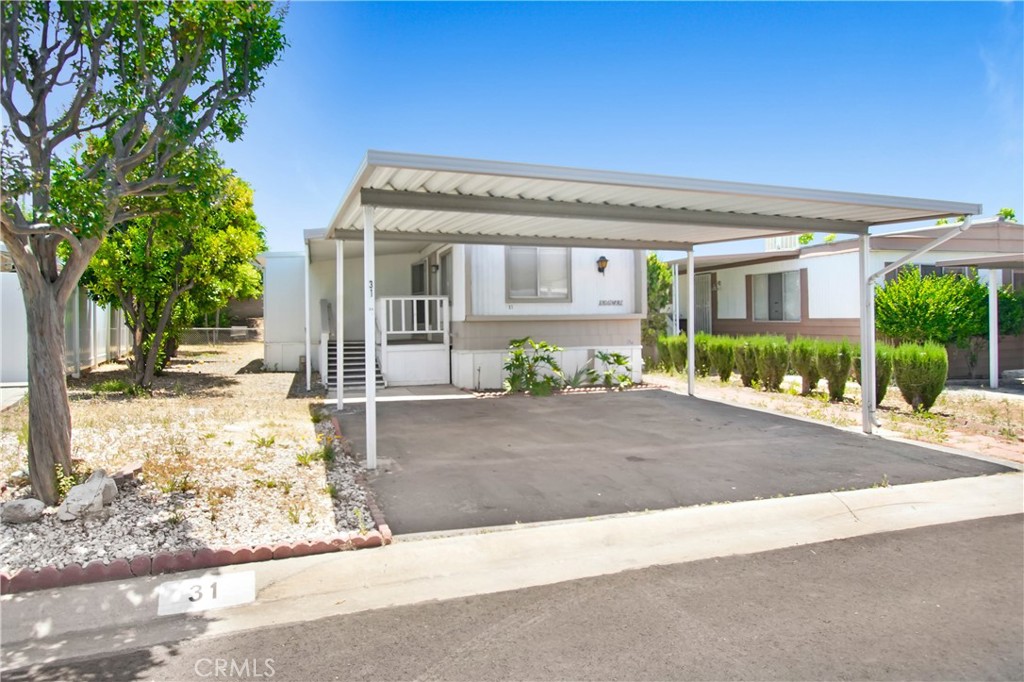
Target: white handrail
{"points": [[404, 315]]}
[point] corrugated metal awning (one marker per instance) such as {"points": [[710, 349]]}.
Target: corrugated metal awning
{"points": [[471, 201], [999, 261]]}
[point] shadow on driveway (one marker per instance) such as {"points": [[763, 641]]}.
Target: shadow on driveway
{"points": [[472, 463]]}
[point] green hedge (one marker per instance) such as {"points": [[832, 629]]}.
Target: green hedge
{"points": [[677, 352], [745, 360], [721, 351], [702, 354], [803, 355], [883, 369], [664, 359], [920, 373], [834, 362], [772, 356]]}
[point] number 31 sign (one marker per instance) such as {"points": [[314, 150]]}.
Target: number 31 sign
{"points": [[210, 591]]}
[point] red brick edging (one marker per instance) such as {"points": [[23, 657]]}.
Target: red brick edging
{"points": [[48, 577]]}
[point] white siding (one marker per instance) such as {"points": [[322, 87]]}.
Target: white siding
{"points": [[589, 287], [283, 321], [13, 334]]}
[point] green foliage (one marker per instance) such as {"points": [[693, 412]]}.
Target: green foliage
{"points": [[721, 354], [189, 259], [659, 295], [616, 372], [65, 481], [771, 353], [1007, 214], [324, 453], [112, 386], [835, 360], [745, 360], [1011, 311], [804, 358], [531, 367], [664, 359], [702, 354], [677, 352], [942, 309], [583, 376], [263, 441], [883, 370], [920, 372]]}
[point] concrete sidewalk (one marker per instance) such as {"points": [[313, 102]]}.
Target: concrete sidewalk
{"points": [[94, 619]]}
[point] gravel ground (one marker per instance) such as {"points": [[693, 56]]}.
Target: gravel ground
{"points": [[230, 456]]}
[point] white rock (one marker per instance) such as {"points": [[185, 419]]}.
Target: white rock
{"points": [[87, 499], [22, 511]]}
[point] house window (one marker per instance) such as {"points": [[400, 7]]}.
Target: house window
{"points": [[777, 296], [537, 273]]}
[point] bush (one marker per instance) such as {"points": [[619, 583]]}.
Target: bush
{"points": [[772, 356], [920, 373], [883, 369], [803, 354], [702, 354], [834, 363], [531, 367], [664, 359], [745, 360], [720, 350], [677, 352], [616, 372]]}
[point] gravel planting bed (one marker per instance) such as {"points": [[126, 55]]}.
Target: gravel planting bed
{"points": [[230, 456]]}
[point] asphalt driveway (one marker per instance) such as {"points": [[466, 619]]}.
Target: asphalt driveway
{"points": [[451, 464]]}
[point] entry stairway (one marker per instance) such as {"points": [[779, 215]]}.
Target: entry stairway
{"points": [[353, 365]]}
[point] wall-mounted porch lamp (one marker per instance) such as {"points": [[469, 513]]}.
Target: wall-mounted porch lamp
{"points": [[602, 263], [434, 268]]}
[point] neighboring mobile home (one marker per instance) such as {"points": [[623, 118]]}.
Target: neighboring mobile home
{"points": [[812, 291]]}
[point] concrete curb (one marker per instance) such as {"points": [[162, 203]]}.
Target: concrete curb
{"points": [[47, 577]]}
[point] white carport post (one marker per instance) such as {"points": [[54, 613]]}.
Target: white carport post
{"points": [[339, 321], [690, 323], [675, 299], [309, 345], [369, 326], [867, 336], [994, 280]]}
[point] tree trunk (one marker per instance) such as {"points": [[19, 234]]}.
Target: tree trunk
{"points": [[49, 413]]}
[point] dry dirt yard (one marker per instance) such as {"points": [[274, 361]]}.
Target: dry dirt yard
{"points": [[230, 455], [977, 421]]}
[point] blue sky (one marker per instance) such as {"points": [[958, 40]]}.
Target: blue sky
{"points": [[916, 99]]}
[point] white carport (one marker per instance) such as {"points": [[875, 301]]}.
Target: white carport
{"points": [[414, 197], [994, 265]]}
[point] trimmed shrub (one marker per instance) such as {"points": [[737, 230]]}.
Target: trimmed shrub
{"points": [[720, 348], [664, 359], [834, 363], [803, 354], [745, 360], [772, 356], [883, 369], [920, 373], [702, 354], [677, 352]]}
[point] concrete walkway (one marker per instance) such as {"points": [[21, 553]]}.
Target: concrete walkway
{"points": [[97, 619]]}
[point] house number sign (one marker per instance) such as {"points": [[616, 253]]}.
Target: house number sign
{"points": [[208, 592], [610, 301]]}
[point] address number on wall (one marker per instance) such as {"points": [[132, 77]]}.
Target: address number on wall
{"points": [[208, 592]]}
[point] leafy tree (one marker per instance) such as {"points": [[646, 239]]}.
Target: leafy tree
{"points": [[659, 296], [942, 309], [99, 100], [189, 258]]}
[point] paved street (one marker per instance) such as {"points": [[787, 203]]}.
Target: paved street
{"points": [[940, 602]]}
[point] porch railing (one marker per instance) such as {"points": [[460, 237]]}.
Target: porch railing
{"points": [[412, 319]]}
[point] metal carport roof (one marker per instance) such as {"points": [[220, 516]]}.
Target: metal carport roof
{"points": [[474, 201]]}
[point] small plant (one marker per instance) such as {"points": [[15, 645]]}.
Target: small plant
{"points": [[721, 352], [116, 386], [360, 521], [294, 512], [66, 480], [884, 483], [920, 373], [263, 441], [182, 483], [317, 416], [616, 370], [330, 490], [324, 453], [745, 361], [803, 354], [583, 376], [834, 362], [772, 356], [264, 483], [531, 367]]}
